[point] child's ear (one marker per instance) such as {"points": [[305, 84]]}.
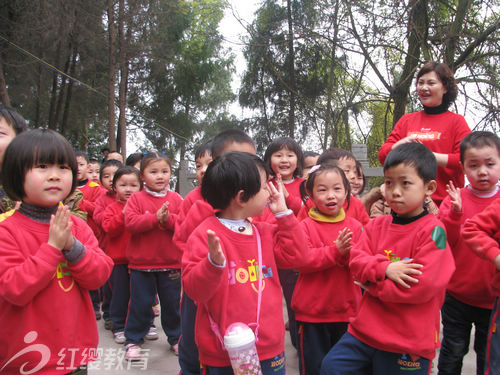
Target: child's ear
{"points": [[430, 187], [238, 199]]}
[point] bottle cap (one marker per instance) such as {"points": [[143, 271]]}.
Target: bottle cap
{"points": [[238, 334]]}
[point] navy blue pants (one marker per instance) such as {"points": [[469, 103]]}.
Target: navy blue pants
{"points": [[288, 280], [273, 366], [315, 341], [107, 291], [458, 318], [188, 351], [121, 296], [143, 287], [351, 356], [492, 366], [95, 296]]}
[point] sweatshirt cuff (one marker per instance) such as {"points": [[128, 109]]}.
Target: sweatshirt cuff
{"points": [[76, 253], [283, 213], [223, 265]]}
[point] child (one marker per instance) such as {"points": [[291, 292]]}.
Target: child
{"points": [[154, 261], [310, 159], [93, 170], [467, 302], [134, 160], [48, 261], [126, 181], [404, 264], [230, 265], [323, 317], [359, 182]]}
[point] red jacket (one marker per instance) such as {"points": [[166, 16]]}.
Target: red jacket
{"points": [[356, 210], [471, 282], [325, 291], [91, 192], [393, 318], [482, 234], [151, 245], [113, 224], [45, 307], [184, 225], [230, 294], [106, 198], [442, 134]]}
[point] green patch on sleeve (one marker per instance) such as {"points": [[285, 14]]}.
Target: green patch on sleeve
{"points": [[439, 237]]}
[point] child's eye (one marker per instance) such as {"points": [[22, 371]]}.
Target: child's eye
{"points": [[388, 183]]}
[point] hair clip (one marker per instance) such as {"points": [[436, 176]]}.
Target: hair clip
{"points": [[314, 168]]}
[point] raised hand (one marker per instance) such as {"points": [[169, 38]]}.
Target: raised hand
{"points": [[455, 197], [216, 254], [60, 235], [163, 213], [401, 272], [276, 197], [344, 241]]}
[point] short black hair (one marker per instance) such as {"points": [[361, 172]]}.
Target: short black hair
{"points": [[132, 159], [94, 161], [13, 118], [359, 172], [310, 153], [226, 137], [150, 157], [204, 148], [126, 169], [29, 149], [290, 144], [109, 163], [416, 155], [334, 154], [228, 174], [479, 139], [82, 154], [325, 167]]}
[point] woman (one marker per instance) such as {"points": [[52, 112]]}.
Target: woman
{"points": [[436, 127]]}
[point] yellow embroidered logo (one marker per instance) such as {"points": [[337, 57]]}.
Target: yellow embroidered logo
{"points": [[243, 275], [66, 283]]}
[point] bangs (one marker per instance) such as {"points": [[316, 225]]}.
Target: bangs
{"points": [[52, 151]]}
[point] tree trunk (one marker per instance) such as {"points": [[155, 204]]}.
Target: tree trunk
{"points": [[64, 122], [123, 63], [291, 72], [4, 96], [453, 33], [111, 75]]}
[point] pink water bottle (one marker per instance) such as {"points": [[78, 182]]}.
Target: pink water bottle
{"points": [[239, 341]]}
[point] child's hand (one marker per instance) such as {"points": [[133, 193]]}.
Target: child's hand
{"points": [[408, 139], [361, 285], [343, 241], [496, 262], [400, 272], [216, 255], [276, 198], [163, 213], [60, 235], [455, 197]]}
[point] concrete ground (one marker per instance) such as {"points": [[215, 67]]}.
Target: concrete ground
{"points": [[159, 359]]}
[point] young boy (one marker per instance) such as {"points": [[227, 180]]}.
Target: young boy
{"points": [[93, 170], [404, 264], [468, 302]]}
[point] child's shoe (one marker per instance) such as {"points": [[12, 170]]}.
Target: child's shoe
{"points": [[108, 324], [152, 334], [133, 352], [119, 337]]}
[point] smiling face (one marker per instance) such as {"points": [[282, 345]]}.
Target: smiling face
{"points": [[329, 192], [156, 175], [127, 185], [430, 89], [482, 167], [45, 185], [348, 165], [284, 162]]}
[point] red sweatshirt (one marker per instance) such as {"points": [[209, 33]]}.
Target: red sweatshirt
{"points": [[356, 210], [471, 282], [294, 200], [393, 318], [45, 307], [106, 198], [442, 134], [325, 291], [230, 293], [482, 234], [91, 192], [151, 245], [113, 224], [184, 225]]}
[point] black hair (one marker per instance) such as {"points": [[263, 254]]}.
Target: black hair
{"points": [[334, 154], [14, 119], [325, 167], [228, 174], [479, 139], [132, 159], [204, 148], [124, 170], [94, 161], [82, 154], [39, 146], [150, 157], [226, 137], [280, 144], [310, 153], [416, 155], [109, 163], [359, 172]]}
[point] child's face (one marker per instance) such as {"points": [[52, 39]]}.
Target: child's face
{"points": [[156, 175], [405, 190], [348, 165], [357, 185], [45, 185], [329, 193], [284, 162], [115, 156], [309, 162], [202, 163], [7, 134], [93, 172], [482, 167], [107, 177], [239, 146], [256, 205], [127, 185], [82, 168]]}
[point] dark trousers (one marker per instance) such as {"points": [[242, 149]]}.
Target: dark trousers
{"points": [[492, 366], [288, 279], [107, 291], [95, 296], [351, 356], [121, 296], [273, 366], [143, 287], [458, 318], [188, 351], [315, 341]]}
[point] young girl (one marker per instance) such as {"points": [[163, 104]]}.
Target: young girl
{"points": [[358, 185], [325, 297], [230, 265], [48, 262], [126, 181], [154, 260]]}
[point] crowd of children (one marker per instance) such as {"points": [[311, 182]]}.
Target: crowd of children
{"points": [[365, 293]]}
